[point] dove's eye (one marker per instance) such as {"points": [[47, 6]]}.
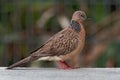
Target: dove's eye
{"points": [[82, 15]]}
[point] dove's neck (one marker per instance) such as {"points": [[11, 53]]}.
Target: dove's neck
{"points": [[76, 25], [82, 33]]}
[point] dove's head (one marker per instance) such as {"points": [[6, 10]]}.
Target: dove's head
{"points": [[79, 16]]}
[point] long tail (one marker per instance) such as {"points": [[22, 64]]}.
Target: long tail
{"points": [[34, 56], [23, 61]]}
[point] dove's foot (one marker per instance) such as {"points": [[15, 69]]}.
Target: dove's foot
{"points": [[64, 65]]}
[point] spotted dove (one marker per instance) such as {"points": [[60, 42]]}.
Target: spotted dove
{"points": [[62, 46]]}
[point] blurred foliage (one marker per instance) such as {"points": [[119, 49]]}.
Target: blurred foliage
{"points": [[111, 53], [99, 12], [20, 33]]}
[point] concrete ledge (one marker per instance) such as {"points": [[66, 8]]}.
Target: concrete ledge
{"points": [[59, 74]]}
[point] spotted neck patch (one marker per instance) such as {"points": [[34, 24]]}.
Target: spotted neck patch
{"points": [[75, 25]]}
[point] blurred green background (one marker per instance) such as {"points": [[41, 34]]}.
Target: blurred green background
{"points": [[26, 24]]}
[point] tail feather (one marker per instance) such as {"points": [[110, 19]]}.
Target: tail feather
{"points": [[32, 57], [26, 60]]}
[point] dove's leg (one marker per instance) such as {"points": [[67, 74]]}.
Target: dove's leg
{"points": [[64, 65]]}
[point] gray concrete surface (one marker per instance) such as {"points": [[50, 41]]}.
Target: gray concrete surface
{"points": [[59, 74]]}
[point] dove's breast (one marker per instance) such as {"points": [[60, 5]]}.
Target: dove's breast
{"points": [[79, 48]]}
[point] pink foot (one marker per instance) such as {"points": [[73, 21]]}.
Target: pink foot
{"points": [[64, 65]]}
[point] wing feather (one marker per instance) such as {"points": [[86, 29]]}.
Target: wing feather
{"points": [[62, 43]]}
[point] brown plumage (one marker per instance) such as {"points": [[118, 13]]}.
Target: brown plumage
{"points": [[63, 45]]}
